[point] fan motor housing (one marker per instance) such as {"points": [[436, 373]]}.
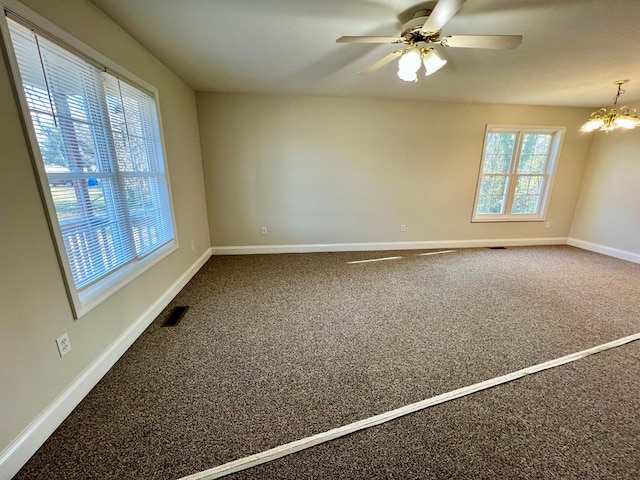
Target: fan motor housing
{"points": [[411, 30]]}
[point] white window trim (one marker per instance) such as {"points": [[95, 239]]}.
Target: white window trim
{"points": [[550, 173], [90, 297]]}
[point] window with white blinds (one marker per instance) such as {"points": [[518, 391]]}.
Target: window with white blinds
{"points": [[98, 139]]}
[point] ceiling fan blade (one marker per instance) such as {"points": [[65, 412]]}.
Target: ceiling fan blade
{"points": [[369, 40], [482, 41], [441, 14], [382, 62]]}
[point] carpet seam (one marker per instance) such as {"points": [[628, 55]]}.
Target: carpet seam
{"points": [[329, 435]]}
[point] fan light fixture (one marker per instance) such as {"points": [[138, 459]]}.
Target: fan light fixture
{"points": [[432, 62], [411, 61], [423, 30], [409, 64], [607, 120]]}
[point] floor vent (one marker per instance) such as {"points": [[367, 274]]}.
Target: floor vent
{"points": [[175, 317], [496, 248]]}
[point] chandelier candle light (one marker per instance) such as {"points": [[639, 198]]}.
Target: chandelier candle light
{"points": [[413, 58], [607, 120]]}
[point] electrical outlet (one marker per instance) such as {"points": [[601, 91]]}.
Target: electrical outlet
{"points": [[264, 230], [547, 225], [64, 344], [193, 245], [403, 228]]}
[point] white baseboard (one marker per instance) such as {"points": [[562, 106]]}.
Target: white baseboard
{"points": [[376, 246], [17, 454], [612, 252]]}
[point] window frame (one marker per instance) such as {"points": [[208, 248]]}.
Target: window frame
{"points": [[558, 133], [87, 298]]}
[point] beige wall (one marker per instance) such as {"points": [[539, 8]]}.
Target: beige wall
{"points": [[608, 210], [35, 309], [332, 170]]}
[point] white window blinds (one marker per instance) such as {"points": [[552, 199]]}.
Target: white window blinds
{"points": [[99, 140]]}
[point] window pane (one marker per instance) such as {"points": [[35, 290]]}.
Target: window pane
{"points": [[499, 152], [142, 130], [535, 152], [75, 199], [526, 199], [492, 197], [146, 198], [50, 142], [93, 251], [80, 137], [38, 99], [91, 227]]}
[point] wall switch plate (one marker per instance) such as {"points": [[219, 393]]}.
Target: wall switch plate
{"points": [[403, 228], [193, 245], [263, 230], [547, 225], [64, 344]]}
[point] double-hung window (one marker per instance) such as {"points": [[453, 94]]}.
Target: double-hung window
{"points": [[516, 172], [98, 152]]}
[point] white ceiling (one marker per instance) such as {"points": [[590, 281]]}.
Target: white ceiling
{"points": [[571, 53]]}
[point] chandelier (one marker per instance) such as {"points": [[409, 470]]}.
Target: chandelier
{"points": [[411, 61], [607, 120]]}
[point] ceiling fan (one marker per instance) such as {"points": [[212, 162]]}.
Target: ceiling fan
{"points": [[422, 32]]}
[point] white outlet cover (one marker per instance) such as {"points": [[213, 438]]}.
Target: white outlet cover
{"points": [[64, 344]]}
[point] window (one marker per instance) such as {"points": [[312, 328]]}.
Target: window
{"points": [[516, 172], [99, 155]]}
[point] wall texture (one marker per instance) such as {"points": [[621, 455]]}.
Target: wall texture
{"points": [[334, 170], [35, 308], [608, 210]]}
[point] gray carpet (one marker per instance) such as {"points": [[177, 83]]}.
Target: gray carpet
{"points": [[578, 421], [279, 347]]}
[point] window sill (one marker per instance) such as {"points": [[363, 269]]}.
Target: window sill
{"points": [[503, 218], [92, 296]]}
